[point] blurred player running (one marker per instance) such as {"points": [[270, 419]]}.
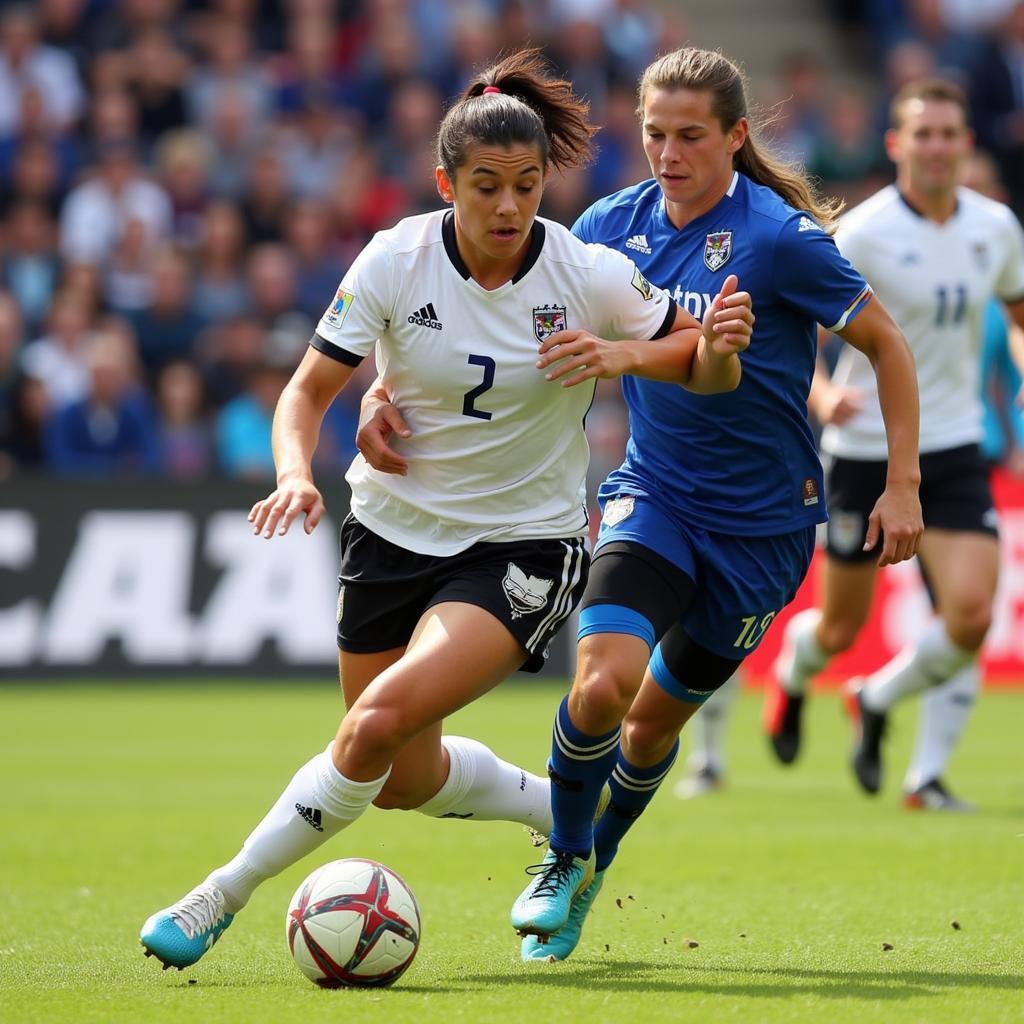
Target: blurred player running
{"points": [[936, 253]]}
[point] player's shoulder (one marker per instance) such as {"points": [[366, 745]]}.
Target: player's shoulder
{"points": [[981, 209], [561, 246], [412, 233], [767, 213], [626, 205], [884, 206]]}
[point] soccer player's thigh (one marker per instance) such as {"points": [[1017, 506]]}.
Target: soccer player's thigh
{"points": [[960, 545], [848, 574]]}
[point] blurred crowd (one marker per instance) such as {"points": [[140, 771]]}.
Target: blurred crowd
{"points": [[184, 183]]}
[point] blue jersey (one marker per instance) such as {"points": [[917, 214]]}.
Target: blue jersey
{"points": [[744, 462]]}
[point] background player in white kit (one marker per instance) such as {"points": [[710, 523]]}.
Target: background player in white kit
{"points": [[935, 253], [458, 572]]}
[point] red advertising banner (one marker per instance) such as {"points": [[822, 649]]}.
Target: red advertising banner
{"points": [[902, 608]]}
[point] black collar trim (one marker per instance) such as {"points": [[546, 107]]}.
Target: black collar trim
{"points": [[920, 213], [451, 248]]}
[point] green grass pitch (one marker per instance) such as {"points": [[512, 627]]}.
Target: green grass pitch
{"points": [[118, 799]]}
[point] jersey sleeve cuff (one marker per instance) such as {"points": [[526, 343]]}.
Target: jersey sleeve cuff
{"points": [[852, 310], [328, 348], [666, 324]]}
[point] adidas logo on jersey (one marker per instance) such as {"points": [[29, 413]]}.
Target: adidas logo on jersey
{"points": [[806, 224], [426, 316], [639, 243]]}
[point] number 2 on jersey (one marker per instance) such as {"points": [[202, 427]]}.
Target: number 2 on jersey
{"points": [[486, 384]]}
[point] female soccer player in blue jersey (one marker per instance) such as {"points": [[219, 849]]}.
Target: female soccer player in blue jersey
{"points": [[708, 526]]}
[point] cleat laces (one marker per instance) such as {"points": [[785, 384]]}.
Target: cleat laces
{"points": [[199, 911], [552, 875]]}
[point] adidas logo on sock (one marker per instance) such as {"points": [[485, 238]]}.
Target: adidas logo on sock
{"points": [[639, 243], [311, 815], [426, 316]]}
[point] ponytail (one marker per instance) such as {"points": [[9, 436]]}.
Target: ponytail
{"points": [[513, 102]]}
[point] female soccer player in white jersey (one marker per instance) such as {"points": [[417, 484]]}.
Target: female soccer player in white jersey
{"points": [[937, 254], [708, 526], [458, 572]]}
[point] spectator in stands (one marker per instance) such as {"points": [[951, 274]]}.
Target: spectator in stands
{"points": [[243, 425], [272, 284], [167, 327], [318, 264], [156, 71], [186, 443], [30, 268], [12, 338], [96, 213], [314, 148], [34, 176], [230, 352], [219, 280], [182, 159], [110, 431], [57, 360], [267, 197], [26, 62]]}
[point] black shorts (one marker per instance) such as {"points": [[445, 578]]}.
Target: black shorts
{"points": [[955, 495], [531, 586]]}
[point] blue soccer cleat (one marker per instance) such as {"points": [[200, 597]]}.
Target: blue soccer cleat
{"points": [[180, 934], [543, 906], [560, 945]]}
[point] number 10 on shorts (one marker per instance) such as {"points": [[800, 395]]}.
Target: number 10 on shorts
{"points": [[753, 630]]}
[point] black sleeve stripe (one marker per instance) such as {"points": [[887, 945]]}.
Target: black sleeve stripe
{"points": [[329, 349], [670, 319]]}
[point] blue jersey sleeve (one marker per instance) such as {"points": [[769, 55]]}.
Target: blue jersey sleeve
{"points": [[811, 274]]}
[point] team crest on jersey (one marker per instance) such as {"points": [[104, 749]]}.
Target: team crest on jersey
{"points": [[845, 531], [526, 594], [981, 255], [339, 308], [717, 249], [618, 509], [548, 320]]}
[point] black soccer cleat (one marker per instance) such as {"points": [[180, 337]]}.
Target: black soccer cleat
{"points": [[867, 750], [782, 720], [935, 796]]}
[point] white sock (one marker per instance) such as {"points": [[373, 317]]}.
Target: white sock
{"points": [[801, 656], [317, 804], [929, 662], [483, 787], [945, 711], [709, 728]]}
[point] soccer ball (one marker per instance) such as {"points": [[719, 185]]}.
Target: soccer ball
{"points": [[353, 922]]}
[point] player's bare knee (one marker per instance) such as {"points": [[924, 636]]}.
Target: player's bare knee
{"points": [[646, 740], [372, 731], [969, 622], [601, 697], [837, 635]]}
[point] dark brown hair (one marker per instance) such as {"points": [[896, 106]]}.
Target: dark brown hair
{"points": [[710, 71], [940, 90], [529, 107]]}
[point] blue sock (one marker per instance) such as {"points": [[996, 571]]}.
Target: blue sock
{"points": [[632, 790], [578, 768]]}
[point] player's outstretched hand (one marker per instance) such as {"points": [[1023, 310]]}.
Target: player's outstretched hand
{"points": [[576, 356], [896, 519], [378, 421], [729, 321], [279, 509]]}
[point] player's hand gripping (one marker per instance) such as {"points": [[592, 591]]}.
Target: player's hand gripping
{"points": [[279, 509], [896, 518], [378, 421], [729, 321], [583, 355]]}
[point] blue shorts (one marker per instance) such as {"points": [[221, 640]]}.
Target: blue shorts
{"points": [[742, 583]]}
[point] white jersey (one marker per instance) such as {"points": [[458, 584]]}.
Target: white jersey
{"points": [[935, 280], [497, 452]]}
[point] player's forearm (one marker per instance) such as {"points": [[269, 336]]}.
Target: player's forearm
{"points": [[669, 359], [898, 398], [295, 433], [712, 373]]}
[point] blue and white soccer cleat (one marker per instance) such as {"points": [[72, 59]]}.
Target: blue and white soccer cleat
{"points": [[543, 906], [180, 934], [560, 945]]}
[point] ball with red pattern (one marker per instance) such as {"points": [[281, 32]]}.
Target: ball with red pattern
{"points": [[353, 922]]}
